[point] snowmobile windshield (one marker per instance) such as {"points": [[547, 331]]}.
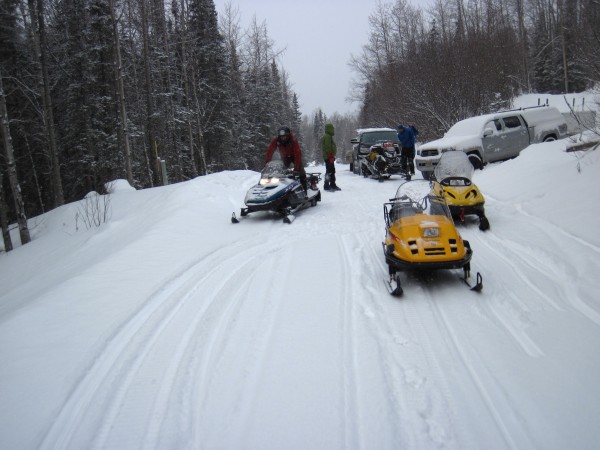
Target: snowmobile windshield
{"points": [[454, 164], [423, 197], [274, 169]]}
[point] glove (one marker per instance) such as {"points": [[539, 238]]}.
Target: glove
{"points": [[331, 158]]}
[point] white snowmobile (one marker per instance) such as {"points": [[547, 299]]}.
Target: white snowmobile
{"points": [[280, 191]]}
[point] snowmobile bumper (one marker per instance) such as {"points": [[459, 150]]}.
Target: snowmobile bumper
{"points": [[274, 205], [402, 265]]}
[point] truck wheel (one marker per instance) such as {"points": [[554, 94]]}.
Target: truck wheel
{"points": [[476, 161], [550, 138]]}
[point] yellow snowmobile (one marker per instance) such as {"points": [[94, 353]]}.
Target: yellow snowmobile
{"points": [[454, 172], [420, 234]]}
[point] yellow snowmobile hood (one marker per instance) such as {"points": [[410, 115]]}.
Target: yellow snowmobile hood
{"points": [[462, 195], [423, 238]]}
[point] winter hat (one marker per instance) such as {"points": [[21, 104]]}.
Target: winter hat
{"points": [[400, 126]]}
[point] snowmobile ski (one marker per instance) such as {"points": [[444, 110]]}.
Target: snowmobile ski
{"points": [[478, 284], [395, 291], [243, 214]]}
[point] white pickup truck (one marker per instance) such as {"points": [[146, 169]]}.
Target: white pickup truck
{"points": [[494, 137]]}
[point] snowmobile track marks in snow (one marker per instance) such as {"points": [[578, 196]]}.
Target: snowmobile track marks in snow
{"points": [[101, 394]]}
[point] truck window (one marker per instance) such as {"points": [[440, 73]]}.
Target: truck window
{"points": [[493, 125], [512, 122]]}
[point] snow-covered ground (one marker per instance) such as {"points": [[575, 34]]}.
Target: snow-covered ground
{"points": [[169, 327]]}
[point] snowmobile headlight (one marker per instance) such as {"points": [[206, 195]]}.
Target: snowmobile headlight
{"points": [[265, 181], [431, 232]]}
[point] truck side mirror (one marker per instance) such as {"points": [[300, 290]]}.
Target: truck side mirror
{"points": [[488, 132], [354, 141]]}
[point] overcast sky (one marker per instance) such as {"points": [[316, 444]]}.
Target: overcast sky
{"points": [[319, 37]]}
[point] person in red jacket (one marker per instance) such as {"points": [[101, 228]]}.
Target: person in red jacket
{"points": [[290, 152]]}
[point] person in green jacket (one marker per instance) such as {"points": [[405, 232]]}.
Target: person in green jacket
{"points": [[329, 150]]}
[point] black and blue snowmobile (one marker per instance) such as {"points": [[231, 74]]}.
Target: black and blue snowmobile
{"points": [[280, 191]]}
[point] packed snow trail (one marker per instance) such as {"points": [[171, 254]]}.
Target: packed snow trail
{"points": [[197, 333]]}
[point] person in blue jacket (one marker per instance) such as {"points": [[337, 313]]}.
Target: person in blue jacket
{"points": [[407, 139]]}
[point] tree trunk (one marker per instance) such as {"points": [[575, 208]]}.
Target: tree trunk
{"points": [[4, 219], [36, 11], [203, 169], [121, 92], [524, 46], [154, 175], [12, 169], [186, 82]]}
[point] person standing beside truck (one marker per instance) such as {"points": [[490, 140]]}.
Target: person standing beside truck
{"points": [[407, 139]]}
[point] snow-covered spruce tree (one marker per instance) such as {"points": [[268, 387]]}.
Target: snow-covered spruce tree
{"points": [[296, 120], [85, 71], [282, 97], [207, 66], [287, 95], [236, 142], [257, 54], [313, 150]]}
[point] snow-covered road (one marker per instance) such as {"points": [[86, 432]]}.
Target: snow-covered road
{"points": [[170, 327]]}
